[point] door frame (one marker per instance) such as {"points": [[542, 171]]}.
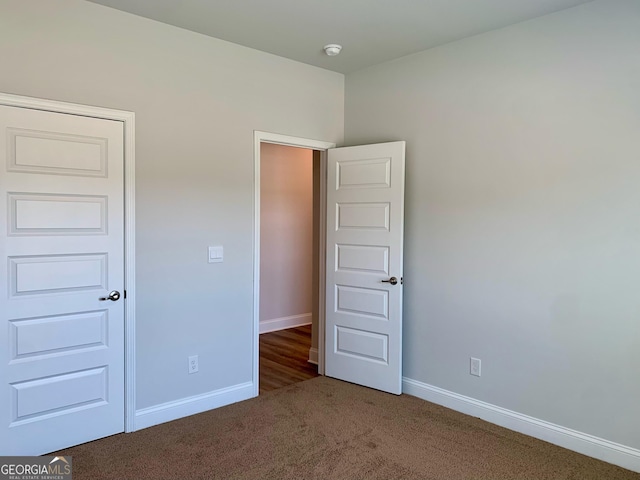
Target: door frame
{"points": [[128, 120], [321, 146]]}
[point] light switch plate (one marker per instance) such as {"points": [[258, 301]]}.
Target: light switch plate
{"points": [[216, 254]]}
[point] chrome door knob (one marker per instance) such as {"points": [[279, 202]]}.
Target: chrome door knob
{"points": [[392, 281], [114, 296]]}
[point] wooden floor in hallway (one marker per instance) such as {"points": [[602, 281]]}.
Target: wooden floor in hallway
{"points": [[284, 358]]}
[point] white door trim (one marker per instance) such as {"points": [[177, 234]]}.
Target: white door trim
{"points": [[128, 119], [266, 137]]}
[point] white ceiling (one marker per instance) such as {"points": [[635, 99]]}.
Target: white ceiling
{"points": [[370, 31]]}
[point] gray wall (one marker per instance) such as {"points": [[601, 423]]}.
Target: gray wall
{"points": [[522, 213], [197, 101]]}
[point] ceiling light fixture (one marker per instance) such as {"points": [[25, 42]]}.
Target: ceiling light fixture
{"points": [[332, 49]]}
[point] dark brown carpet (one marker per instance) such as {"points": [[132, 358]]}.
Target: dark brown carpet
{"points": [[327, 429]]}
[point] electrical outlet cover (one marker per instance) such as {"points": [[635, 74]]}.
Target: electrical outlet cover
{"points": [[475, 367], [193, 364]]}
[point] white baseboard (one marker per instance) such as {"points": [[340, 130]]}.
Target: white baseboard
{"points": [[586, 444], [147, 417], [313, 356], [276, 324]]}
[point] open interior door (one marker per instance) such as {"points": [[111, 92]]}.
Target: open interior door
{"points": [[365, 224]]}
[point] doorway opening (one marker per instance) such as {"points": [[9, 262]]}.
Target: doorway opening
{"points": [[360, 280], [289, 260], [288, 299]]}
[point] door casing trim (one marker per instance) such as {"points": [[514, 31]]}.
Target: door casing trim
{"points": [[128, 120], [321, 146]]}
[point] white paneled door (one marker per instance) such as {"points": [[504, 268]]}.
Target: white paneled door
{"points": [[62, 251], [365, 224]]}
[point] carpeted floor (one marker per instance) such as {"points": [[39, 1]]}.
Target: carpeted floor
{"points": [[327, 429]]}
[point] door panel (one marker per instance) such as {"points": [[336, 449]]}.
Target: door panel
{"points": [[56, 214], [365, 222], [62, 349]]}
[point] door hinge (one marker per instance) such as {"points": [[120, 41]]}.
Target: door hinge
{"points": [[125, 294]]}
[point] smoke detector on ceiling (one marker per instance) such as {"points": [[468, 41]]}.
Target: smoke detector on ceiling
{"points": [[332, 49]]}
